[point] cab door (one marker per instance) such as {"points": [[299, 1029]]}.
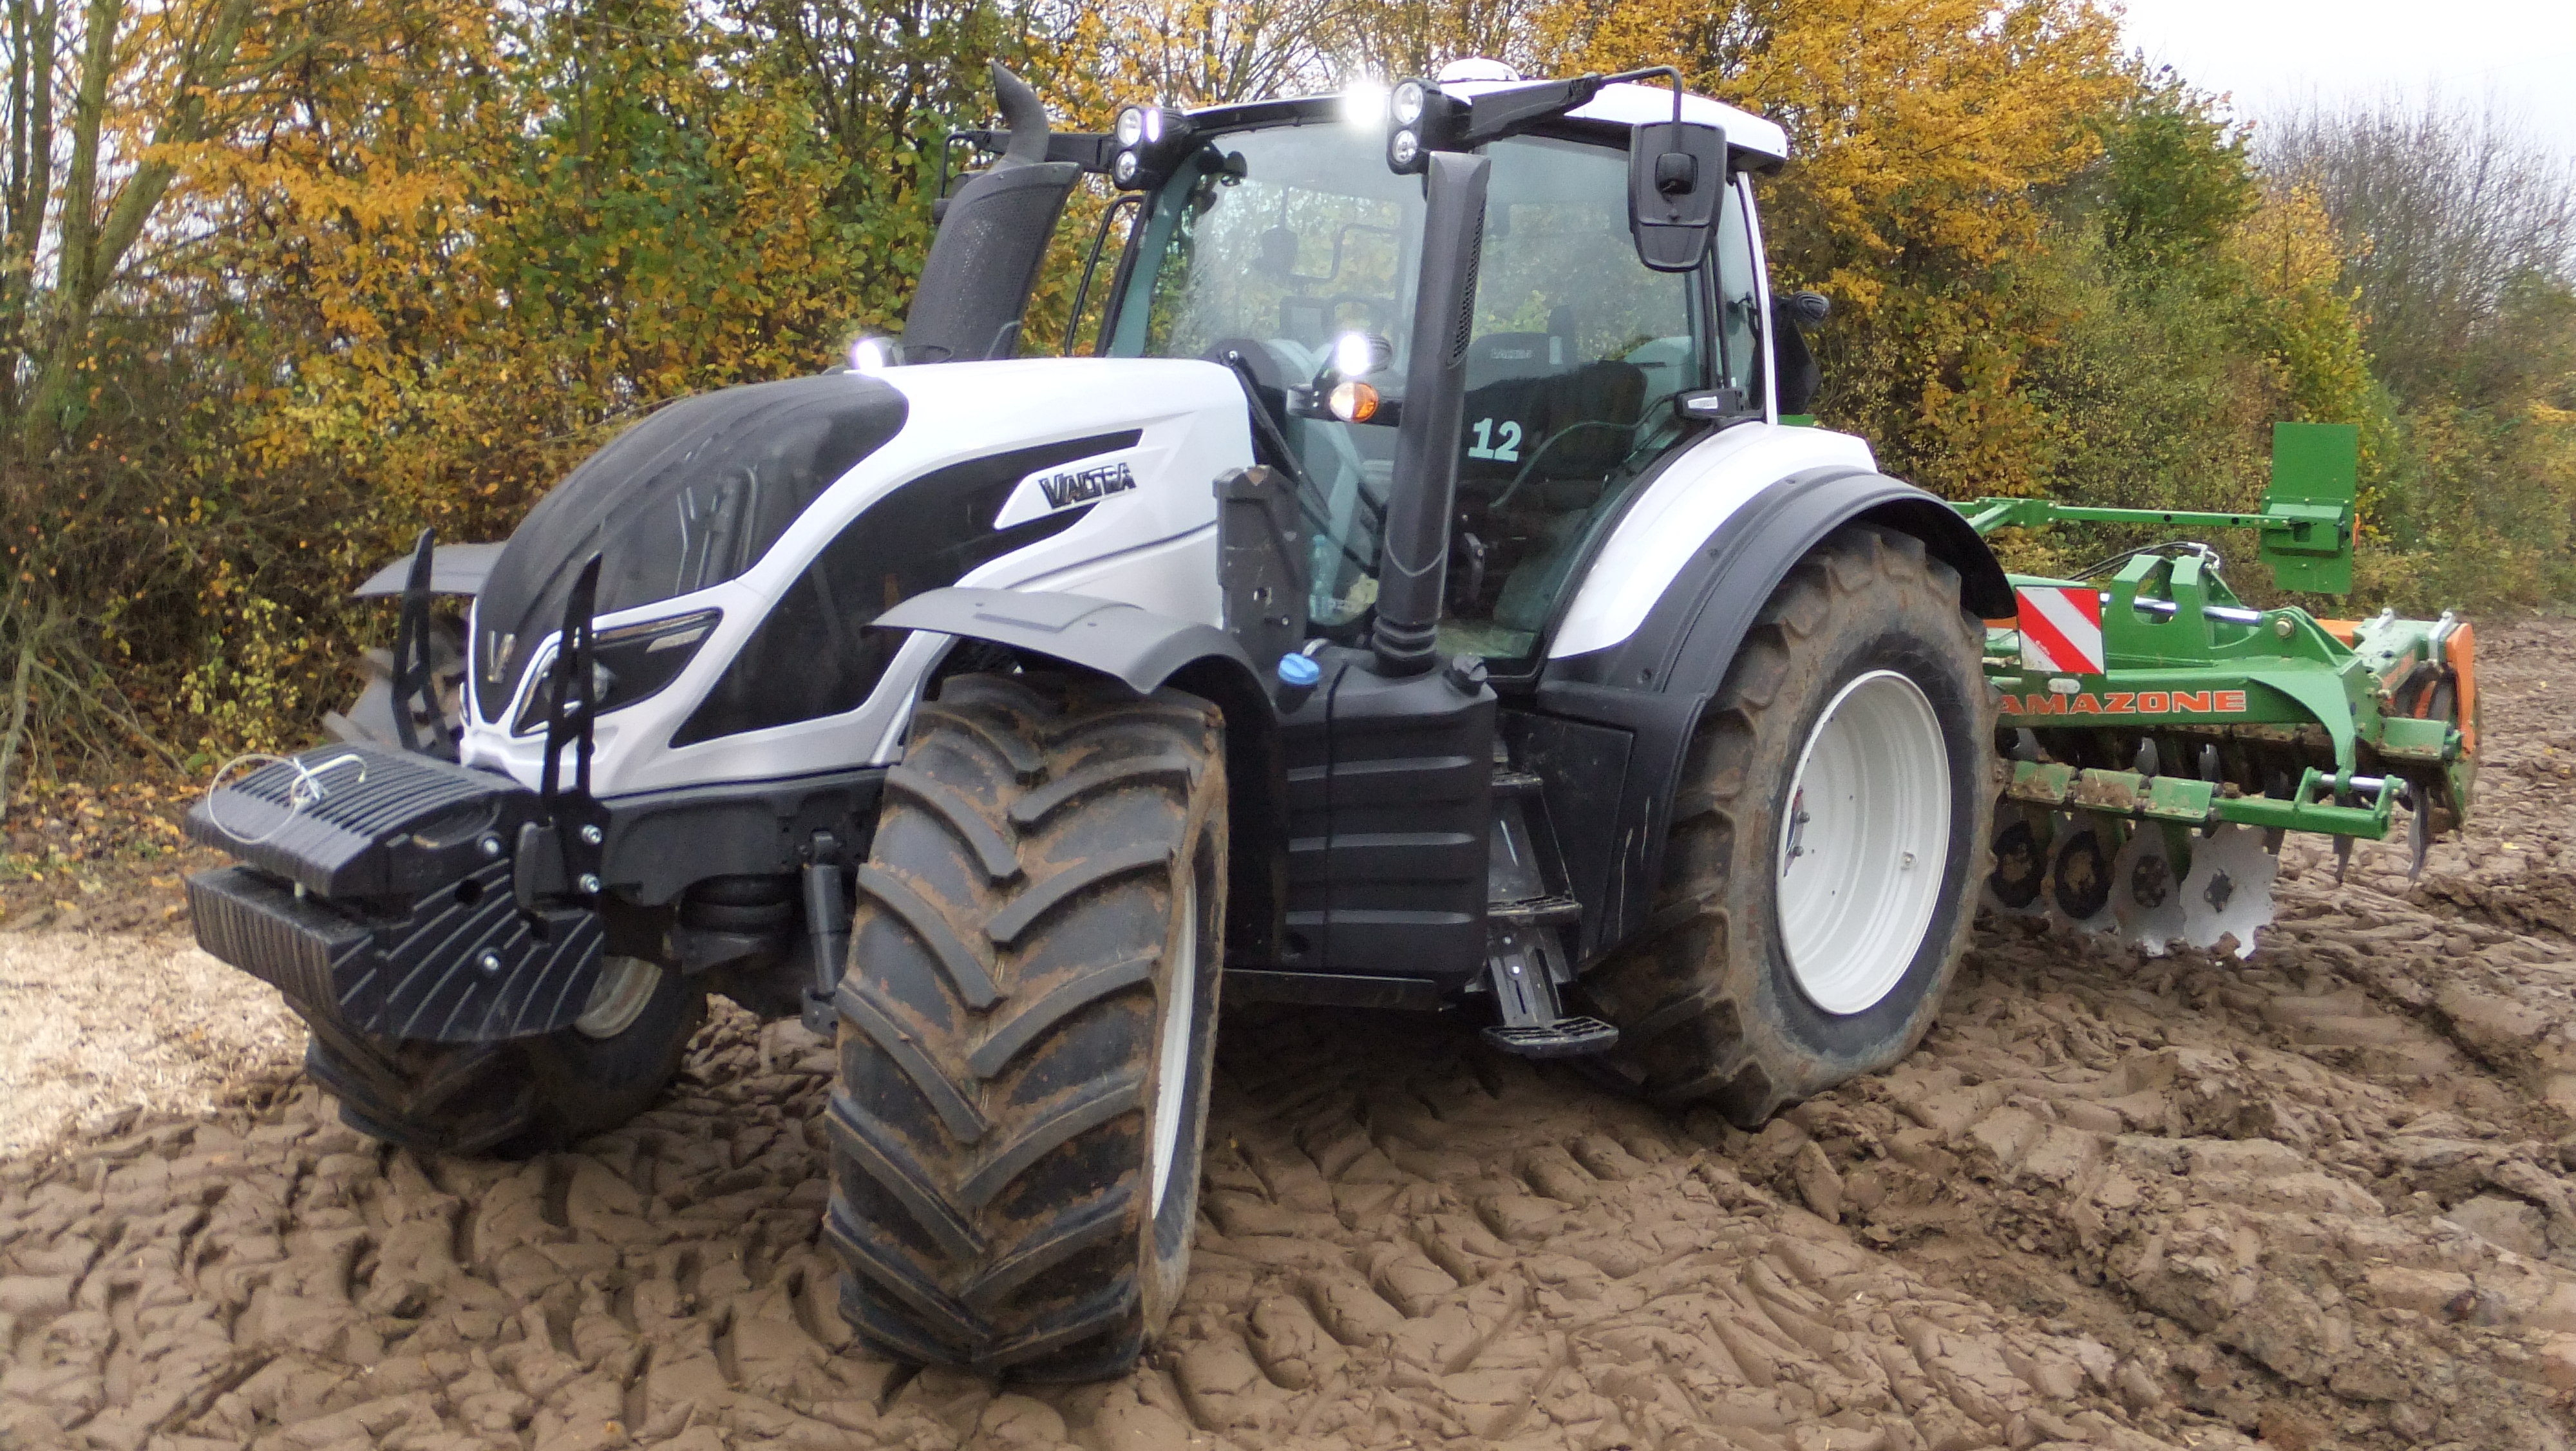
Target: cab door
{"points": [[1577, 355]]}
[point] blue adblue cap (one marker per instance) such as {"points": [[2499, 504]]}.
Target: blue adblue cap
{"points": [[1299, 672]]}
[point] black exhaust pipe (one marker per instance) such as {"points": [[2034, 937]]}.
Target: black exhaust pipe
{"points": [[1414, 563], [975, 284]]}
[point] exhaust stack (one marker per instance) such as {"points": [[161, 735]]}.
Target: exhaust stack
{"points": [[975, 284]]}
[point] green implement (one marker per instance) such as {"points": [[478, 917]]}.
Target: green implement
{"points": [[2152, 715]]}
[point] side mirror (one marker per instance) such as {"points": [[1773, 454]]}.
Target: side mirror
{"points": [[1796, 376], [1676, 179]]}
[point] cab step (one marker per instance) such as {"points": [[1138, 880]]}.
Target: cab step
{"points": [[1522, 974], [1576, 1037]]}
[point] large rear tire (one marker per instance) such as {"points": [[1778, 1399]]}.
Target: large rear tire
{"points": [[1027, 1025], [1828, 837], [521, 1096]]}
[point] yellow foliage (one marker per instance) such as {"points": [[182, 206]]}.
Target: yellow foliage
{"points": [[1926, 136]]}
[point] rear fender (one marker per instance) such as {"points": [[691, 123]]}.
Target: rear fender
{"points": [[1146, 651], [1655, 683]]}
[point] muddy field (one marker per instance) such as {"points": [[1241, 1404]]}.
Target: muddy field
{"points": [[2319, 1199]]}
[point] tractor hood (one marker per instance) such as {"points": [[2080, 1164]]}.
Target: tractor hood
{"points": [[748, 539], [685, 500]]}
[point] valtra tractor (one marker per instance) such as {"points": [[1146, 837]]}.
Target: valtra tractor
{"points": [[1423, 591]]}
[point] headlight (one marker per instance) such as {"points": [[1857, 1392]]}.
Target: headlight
{"points": [[1404, 150], [1408, 103], [1131, 126], [1123, 170], [627, 664], [871, 356]]}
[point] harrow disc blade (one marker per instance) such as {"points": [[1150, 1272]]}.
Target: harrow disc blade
{"points": [[2229, 890], [2079, 880], [2146, 893], [2021, 866]]}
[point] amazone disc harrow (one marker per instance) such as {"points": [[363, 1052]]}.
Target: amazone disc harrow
{"points": [[2161, 737]]}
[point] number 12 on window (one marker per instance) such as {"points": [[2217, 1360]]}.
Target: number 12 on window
{"points": [[1507, 451]]}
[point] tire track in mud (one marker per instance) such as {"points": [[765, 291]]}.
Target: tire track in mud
{"points": [[2321, 1198]]}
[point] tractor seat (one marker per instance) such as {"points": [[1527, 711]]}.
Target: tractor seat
{"points": [[1578, 423], [1496, 357]]}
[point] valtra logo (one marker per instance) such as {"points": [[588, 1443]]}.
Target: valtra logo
{"points": [[1081, 486]]}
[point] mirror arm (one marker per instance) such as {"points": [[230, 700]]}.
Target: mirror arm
{"points": [[1509, 113]]}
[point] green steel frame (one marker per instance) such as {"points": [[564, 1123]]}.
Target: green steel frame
{"points": [[2363, 703]]}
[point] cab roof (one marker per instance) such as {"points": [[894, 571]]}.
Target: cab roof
{"points": [[1625, 103]]}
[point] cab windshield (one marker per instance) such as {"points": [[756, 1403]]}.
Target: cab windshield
{"points": [[1295, 249]]}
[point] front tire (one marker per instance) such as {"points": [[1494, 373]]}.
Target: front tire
{"points": [[1027, 1026], [1827, 842], [520, 1096]]}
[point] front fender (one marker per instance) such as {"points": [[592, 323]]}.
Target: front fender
{"points": [[1137, 646]]}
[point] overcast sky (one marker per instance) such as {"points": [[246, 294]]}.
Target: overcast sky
{"points": [[2273, 54]]}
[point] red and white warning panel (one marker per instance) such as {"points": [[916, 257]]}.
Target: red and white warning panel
{"points": [[2061, 628]]}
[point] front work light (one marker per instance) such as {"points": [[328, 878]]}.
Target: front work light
{"points": [[1151, 141], [1409, 100], [1354, 356], [1364, 104], [1403, 150]]}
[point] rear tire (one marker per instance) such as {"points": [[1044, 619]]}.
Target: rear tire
{"points": [[1859, 693], [521, 1096], [1027, 1025]]}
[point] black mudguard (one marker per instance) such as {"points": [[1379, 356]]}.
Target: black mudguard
{"points": [[1654, 684]]}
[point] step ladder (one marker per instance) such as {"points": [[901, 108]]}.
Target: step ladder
{"points": [[1525, 907]]}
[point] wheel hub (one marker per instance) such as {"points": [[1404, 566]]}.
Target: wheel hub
{"points": [[618, 996], [1862, 854]]}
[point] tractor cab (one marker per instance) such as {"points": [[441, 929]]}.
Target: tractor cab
{"points": [[1286, 240]]}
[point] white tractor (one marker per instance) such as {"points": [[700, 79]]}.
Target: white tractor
{"points": [[1420, 593]]}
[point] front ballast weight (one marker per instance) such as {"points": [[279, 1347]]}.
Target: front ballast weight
{"points": [[409, 897], [2162, 737]]}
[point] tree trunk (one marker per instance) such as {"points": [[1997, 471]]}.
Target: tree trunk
{"points": [[93, 247]]}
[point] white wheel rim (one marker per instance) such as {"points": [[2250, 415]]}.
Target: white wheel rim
{"points": [[1865, 843], [1172, 1072], [618, 996]]}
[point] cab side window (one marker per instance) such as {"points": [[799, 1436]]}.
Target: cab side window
{"points": [[1576, 352], [1739, 305]]}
